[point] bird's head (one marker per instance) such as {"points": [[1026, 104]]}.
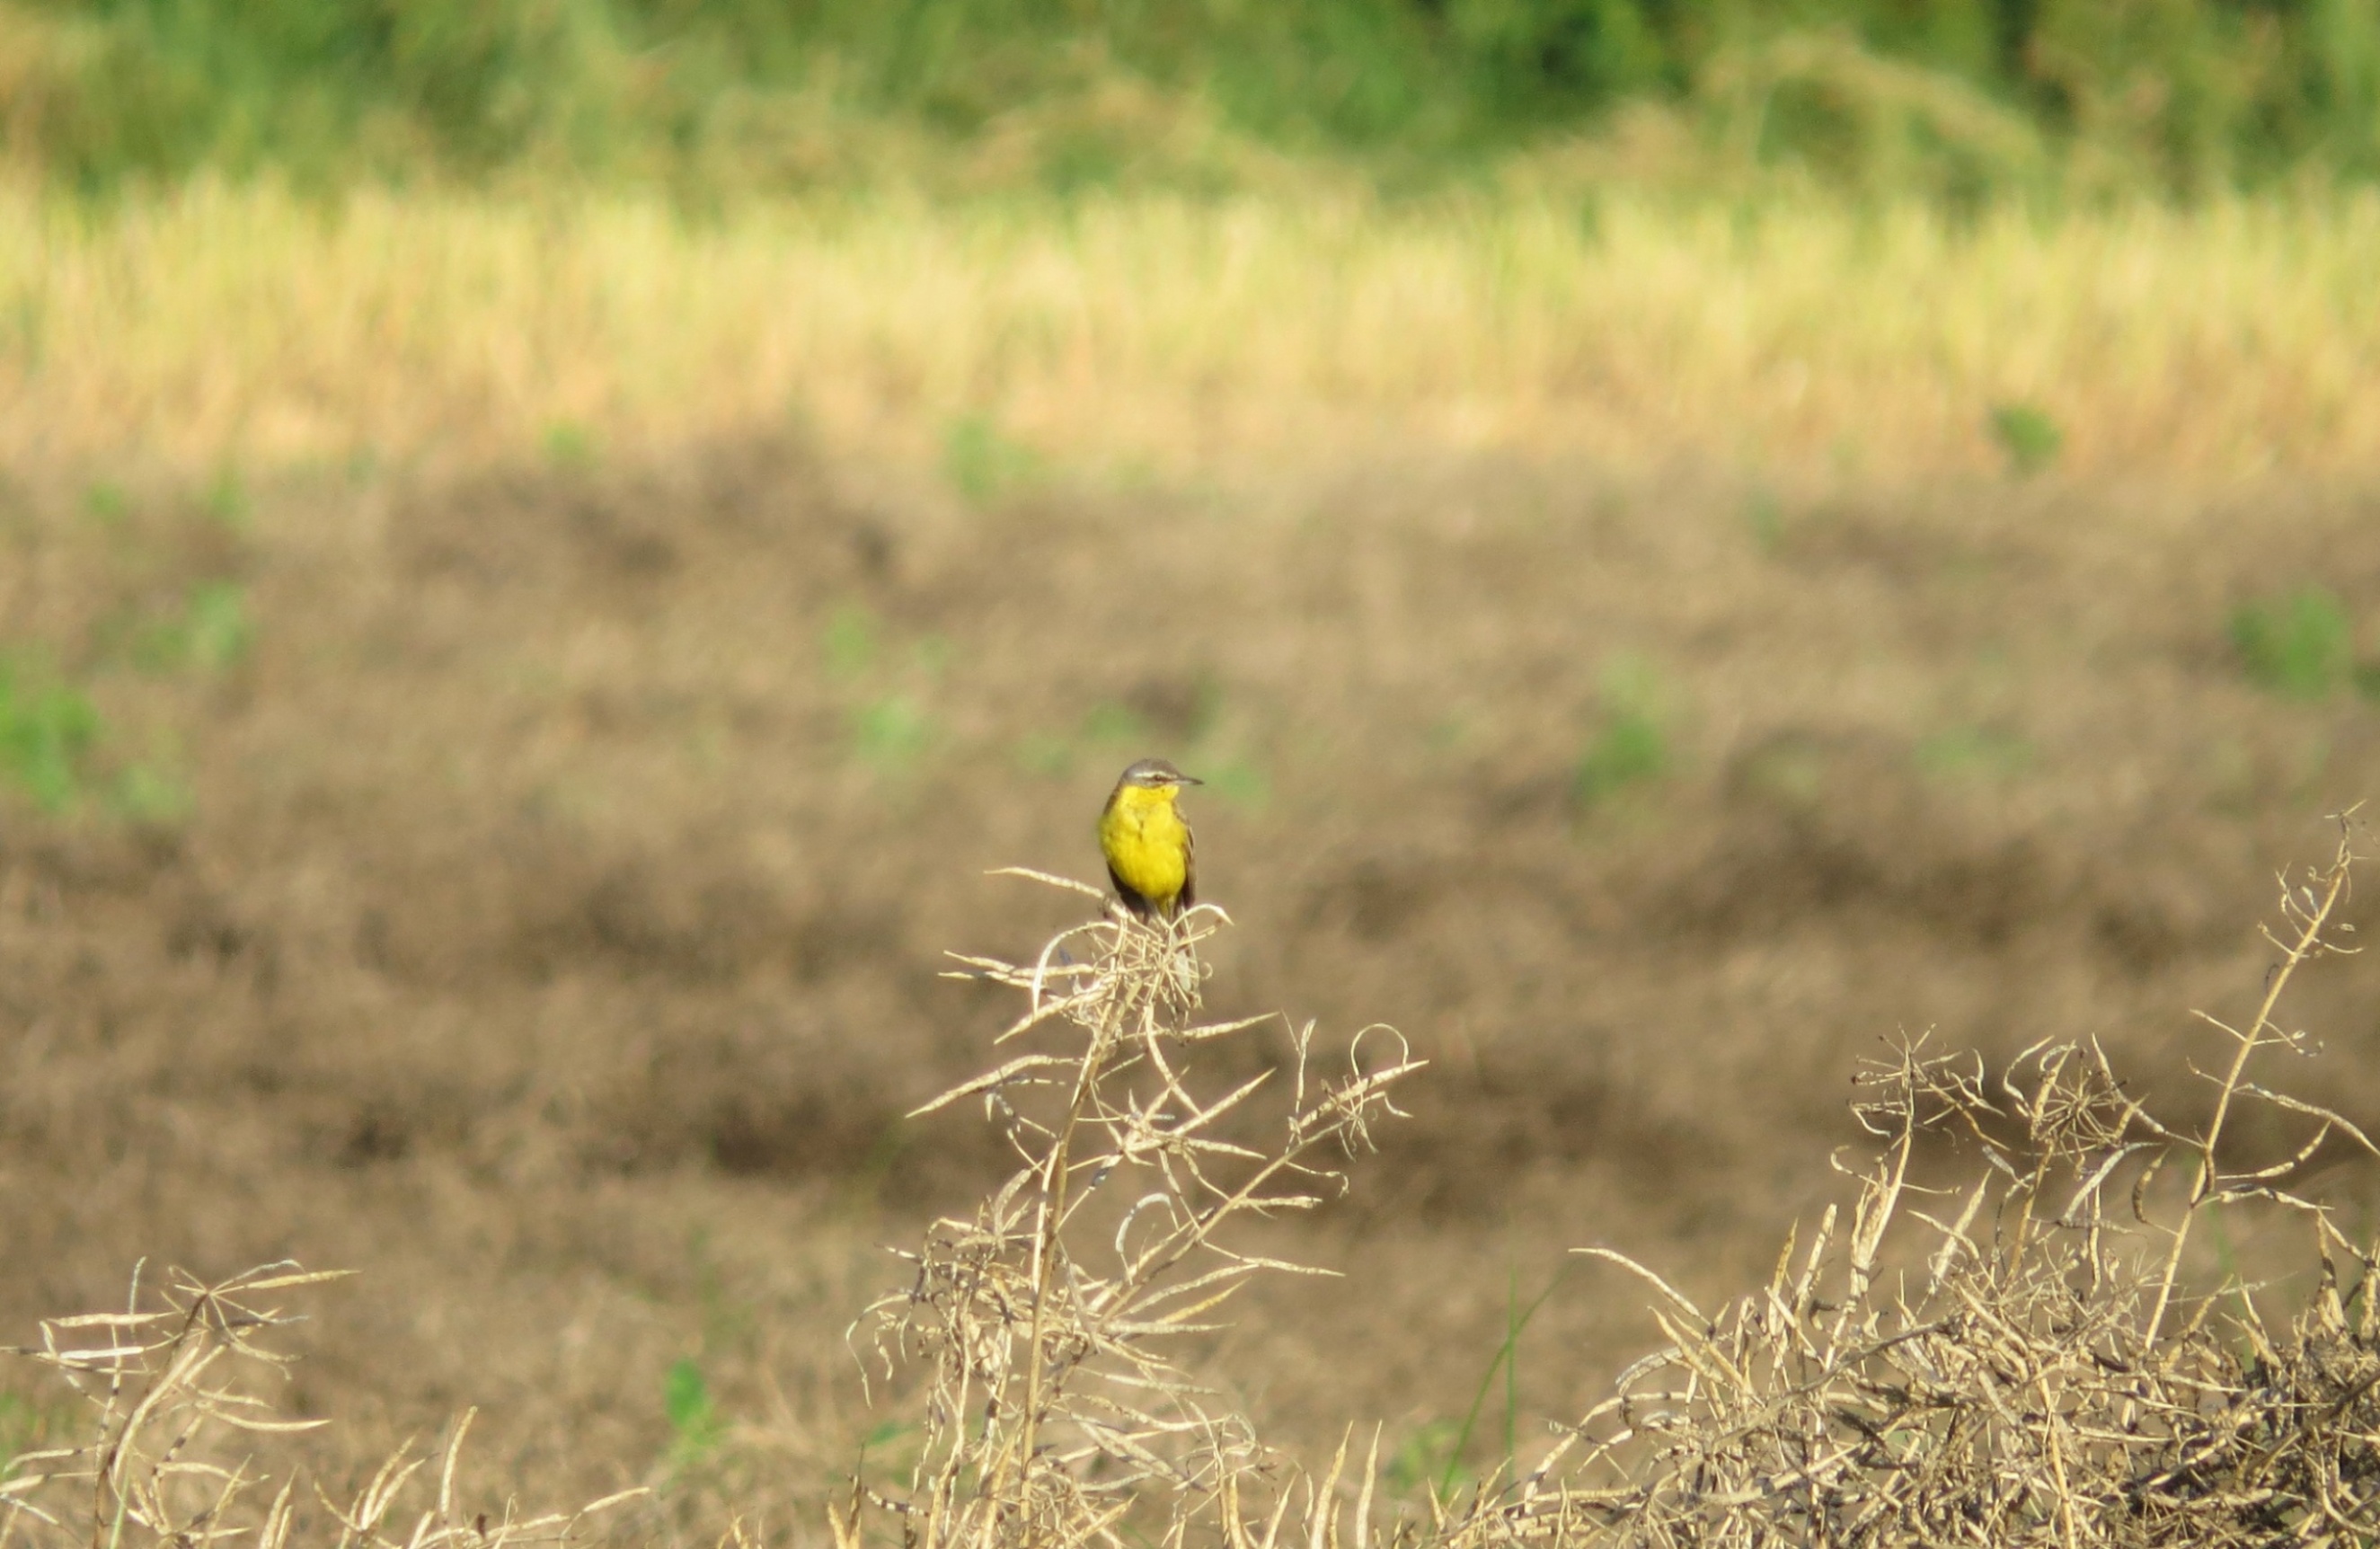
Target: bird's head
{"points": [[1158, 778]]}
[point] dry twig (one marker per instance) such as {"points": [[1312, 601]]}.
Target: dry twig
{"points": [[1048, 1322], [171, 1456], [2008, 1369]]}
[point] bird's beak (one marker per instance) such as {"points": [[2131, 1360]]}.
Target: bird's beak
{"points": [[1191, 780]]}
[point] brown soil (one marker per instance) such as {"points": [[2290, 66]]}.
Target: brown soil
{"points": [[554, 933]]}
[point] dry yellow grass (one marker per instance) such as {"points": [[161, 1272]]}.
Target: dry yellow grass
{"points": [[215, 322]]}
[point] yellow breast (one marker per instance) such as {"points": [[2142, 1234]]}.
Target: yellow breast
{"points": [[1146, 843]]}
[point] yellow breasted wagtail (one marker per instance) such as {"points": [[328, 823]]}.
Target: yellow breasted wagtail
{"points": [[1146, 842]]}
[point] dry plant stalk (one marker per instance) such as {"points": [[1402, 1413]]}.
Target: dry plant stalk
{"points": [[170, 1458], [1048, 1324], [2024, 1362]]}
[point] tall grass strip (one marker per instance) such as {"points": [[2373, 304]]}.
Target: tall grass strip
{"points": [[227, 326]]}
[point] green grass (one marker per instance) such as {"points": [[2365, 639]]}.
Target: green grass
{"points": [[58, 749], [1629, 750], [49, 736], [849, 642], [1419, 1456], [2029, 437], [893, 733], [53, 752], [1968, 752], [211, 632], [107, 501], [568, 443], [2301, 646], [1506, 1362], [695, 1426], [1630, 747], [151, 796], [984, 463], [1960, 97]]}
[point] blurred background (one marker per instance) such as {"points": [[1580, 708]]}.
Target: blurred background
{"points": [[545, 549]]}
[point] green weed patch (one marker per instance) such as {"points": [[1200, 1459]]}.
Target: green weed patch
{"points": [[2301, 646], [1631, 747], [49, 733]]}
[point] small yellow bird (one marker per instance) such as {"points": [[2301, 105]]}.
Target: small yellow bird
{"points": [[1146, 843]]}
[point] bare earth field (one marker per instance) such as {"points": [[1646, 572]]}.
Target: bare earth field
{"points": [[554, 929]]}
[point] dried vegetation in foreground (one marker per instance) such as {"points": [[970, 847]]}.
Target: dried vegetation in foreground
{"points": [[174, 1419], [2027, 1356]]}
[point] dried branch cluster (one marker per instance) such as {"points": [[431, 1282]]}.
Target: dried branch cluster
{"points": [[1049, 1325], [2018, 1362], [2021, 1359], [174, 1429]]}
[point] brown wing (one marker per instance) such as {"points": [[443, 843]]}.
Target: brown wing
{"points": [[1189, 894]]}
